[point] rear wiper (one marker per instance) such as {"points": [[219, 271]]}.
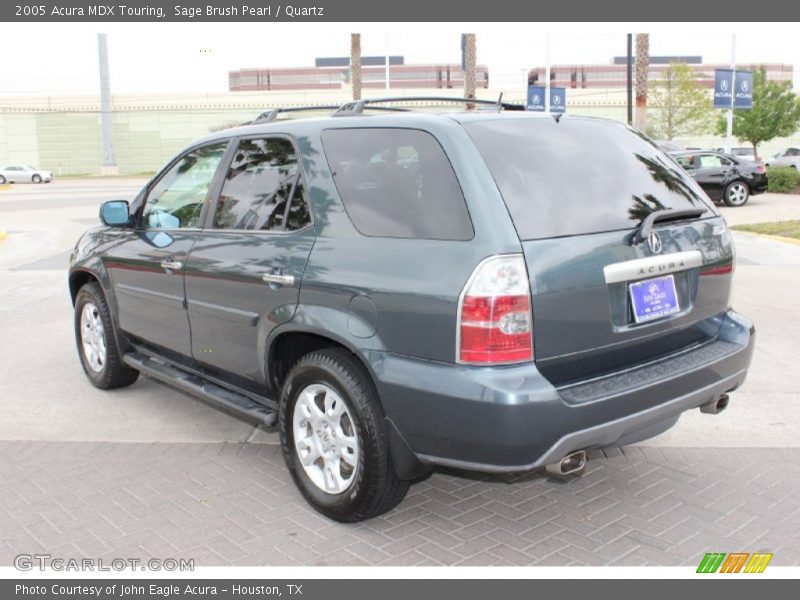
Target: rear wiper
{"points": [[664, 215]]}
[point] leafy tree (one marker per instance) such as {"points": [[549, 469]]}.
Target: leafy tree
{"points": [[775, 113], [679, 104]]}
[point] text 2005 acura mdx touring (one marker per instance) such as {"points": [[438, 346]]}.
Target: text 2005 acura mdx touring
{"points": [[494, 291]]}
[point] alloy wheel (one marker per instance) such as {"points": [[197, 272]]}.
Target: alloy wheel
{"points": [[325, 438], [93, 337], [737, 194]]}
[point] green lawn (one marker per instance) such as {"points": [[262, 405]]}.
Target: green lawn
{"points": [[790, 229]]}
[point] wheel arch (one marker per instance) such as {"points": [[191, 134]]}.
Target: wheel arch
{"points": [[290, 344], [78, 277]]}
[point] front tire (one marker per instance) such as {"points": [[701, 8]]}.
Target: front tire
{"points": [[736, 194], [97, 348], [2, 180], [333, 438], [36, 179]]}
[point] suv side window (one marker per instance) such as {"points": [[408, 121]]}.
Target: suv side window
{"points": [[687, 162], [397, 183], [176, 200], [257, 186]]}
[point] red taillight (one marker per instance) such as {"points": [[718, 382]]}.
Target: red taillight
{"points": [[495, 325]]}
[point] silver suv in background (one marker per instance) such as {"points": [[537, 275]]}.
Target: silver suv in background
{"points": [[743, 153]]}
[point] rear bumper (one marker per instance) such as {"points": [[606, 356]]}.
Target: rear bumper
{"points": [[512, 419], [759, 185]]}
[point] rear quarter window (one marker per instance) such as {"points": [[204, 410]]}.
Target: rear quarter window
{"points": [[397, 183], [579, 176]]}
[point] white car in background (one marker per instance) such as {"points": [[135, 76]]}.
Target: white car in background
{"points": [[24, 174], [786, 158], [742, 152]]}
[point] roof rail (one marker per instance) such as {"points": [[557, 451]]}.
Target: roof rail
{"points": [[357, 107], [272, 114]]}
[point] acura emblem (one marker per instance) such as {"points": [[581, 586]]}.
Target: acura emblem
{"points": [[654, 243]]}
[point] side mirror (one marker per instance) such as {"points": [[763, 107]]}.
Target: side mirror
{"points": [[114, 213]]}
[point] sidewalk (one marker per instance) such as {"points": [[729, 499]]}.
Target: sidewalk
{"points": [[226, 504]]}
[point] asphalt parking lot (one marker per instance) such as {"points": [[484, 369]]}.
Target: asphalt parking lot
{"points": [[147, 471]]}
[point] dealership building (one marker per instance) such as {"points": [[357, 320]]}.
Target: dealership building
{"points": [[614, 75], [333, 73]]}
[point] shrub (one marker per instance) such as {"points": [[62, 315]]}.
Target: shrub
{"points": [[783, 179]]}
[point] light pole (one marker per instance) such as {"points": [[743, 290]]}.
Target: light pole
{"points": [[109, 159], [729, 132]]}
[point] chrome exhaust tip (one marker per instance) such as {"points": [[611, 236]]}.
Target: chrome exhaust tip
{"points": [[572, 465], [717, 406]]}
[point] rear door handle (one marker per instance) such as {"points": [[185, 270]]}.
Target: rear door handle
{"points": [[171, 265], [278, 279]]}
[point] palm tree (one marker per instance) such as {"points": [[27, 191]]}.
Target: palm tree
{"points": [[642, 68], [469, 73], [355, 64]]}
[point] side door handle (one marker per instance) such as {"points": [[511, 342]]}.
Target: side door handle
{"points": [[278, 279], [171, 265]]}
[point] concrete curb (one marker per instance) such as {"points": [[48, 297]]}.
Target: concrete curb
{"points": [[777, 238]]}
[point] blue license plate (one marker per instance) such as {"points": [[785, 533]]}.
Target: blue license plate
{"points": [[654, 298]]}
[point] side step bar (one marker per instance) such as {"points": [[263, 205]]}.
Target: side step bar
{"points": [[195, 385]]}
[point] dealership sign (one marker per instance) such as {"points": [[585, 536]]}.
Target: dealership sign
{"points": [[737, 85], [536, 96]]}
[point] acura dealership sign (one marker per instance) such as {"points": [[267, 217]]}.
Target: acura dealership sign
{"points": [[728, 83]]}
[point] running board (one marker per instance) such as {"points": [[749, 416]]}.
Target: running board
{"points": [[238, 404]]}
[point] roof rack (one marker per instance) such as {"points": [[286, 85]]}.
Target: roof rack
{"points": [[356, 107], [272, 114]]}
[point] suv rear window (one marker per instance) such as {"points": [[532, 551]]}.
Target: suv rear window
{"points": [[579, 176], [397, 183]]}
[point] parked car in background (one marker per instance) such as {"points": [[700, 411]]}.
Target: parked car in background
{"points": [[725, 178], [398, 291], [786, 158], [670, 146], [24, 174], [742, 152]]}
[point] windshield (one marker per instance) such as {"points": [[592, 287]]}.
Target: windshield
{"points": [[580, 176]]}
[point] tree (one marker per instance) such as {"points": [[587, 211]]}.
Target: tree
{"points": [[355, 64], [642, 69], [775, 113], [681, 105]]}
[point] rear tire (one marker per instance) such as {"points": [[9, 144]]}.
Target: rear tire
{"points": [[97, 347], [36, 179], [736, 194], [328, 482], [2, 180]]}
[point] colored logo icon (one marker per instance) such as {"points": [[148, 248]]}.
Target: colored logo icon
{"points": [[734, 562]]}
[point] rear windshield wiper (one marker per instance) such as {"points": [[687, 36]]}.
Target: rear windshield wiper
{"points": [[664, 215]]}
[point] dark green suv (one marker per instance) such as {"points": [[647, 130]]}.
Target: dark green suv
{"points": [[487, 290]]}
